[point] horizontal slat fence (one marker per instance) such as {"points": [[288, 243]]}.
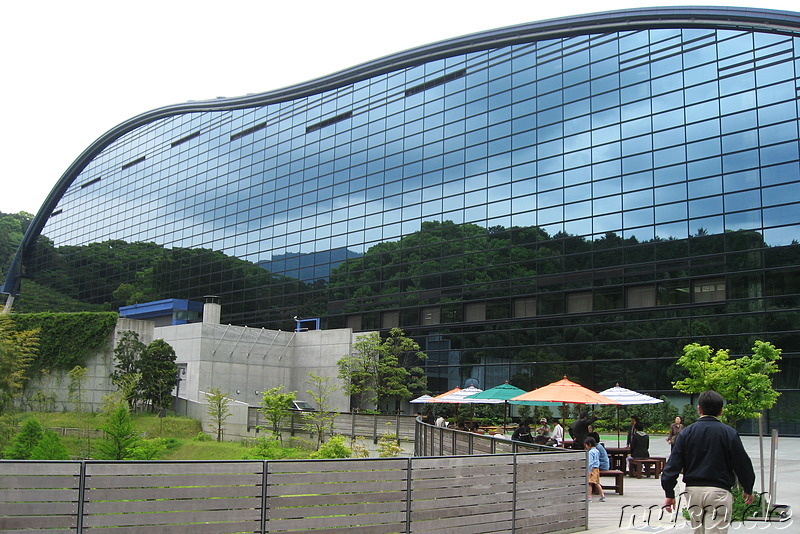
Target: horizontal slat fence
{"points": [[369, 426], [508, 491], [39, 496]]}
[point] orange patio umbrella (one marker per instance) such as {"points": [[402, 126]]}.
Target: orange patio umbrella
{"points": [[564, 391], [440, 395]]}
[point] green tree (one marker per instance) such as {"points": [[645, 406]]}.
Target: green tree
{"points": [[77, 377], [12, 229], [276, 406], [119, 434], [127, 356], [50, 447], [26, 439], [745, 382], [17, 350], [383, 370], [321, 420], [218, 409], [359, 371], [159, 374]]}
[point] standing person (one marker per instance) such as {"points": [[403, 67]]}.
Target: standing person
{"points": [[632, 429], [674, 429], [593, 469], [579, 431], [711, 456], [558, 432]]}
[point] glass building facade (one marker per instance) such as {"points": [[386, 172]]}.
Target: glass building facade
{"points": [[582, 196]]}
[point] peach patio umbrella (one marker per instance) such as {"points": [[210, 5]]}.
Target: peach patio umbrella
{"points": [[564, 391]]}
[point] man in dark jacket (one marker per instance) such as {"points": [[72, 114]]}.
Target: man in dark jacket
{"points": [[711, 456], [579, 430]]}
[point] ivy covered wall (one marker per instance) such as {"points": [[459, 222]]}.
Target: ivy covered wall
{"points": [[66, 339]]}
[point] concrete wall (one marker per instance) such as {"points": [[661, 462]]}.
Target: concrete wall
{"points": [[240, 361], [246, 361], [97, 382]]}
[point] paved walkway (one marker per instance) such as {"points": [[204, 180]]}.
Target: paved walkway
{"points": [[629, 512]]}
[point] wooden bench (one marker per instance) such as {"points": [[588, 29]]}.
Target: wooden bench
{"points": [[619, 480], [646, 467]]}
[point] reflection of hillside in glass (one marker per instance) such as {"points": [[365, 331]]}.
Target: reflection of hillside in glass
{"points": [[444, 264]]}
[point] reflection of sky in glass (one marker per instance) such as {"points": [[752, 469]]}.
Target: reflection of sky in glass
{"points": [[570, 134]]}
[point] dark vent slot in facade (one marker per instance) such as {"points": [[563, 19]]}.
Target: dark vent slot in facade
{"points": [[327, 122], [436, 82], [184, 139], [57, 212], [248, 131], [132, 163], [90, 182]]}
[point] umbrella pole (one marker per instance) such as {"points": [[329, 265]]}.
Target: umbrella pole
{"points": [[617, 425]]}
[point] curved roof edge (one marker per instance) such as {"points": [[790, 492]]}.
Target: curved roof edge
{"points": [[628, 19]]}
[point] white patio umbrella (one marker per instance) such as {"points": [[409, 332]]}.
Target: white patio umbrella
{"points": [[421, 400], [627, 397], [457, 397]]}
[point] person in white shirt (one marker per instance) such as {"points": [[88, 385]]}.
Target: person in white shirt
{"points": [[558, 431]]}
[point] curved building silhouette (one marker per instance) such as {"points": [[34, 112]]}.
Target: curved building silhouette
{"points": [[583, 195]]}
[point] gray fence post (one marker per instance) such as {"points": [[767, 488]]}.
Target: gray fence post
{"points": [[397, 426], [264, 499], [514, 497], [408, 497], [81, 496]]}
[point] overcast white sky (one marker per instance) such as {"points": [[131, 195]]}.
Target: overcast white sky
{"points": [[73, 70]]}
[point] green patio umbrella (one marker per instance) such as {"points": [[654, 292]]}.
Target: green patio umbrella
{"points": [[502, 394]]}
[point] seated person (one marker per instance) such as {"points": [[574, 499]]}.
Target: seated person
{"points": [[605, 462], [543, 429], [593, 434], [558, 432], [640, 443], [523, 432]]}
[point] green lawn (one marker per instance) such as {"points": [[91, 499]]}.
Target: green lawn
{"points": [[181, 431]]}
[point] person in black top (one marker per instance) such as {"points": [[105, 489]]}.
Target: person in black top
{"points": [[640, 442], [579, 430], [523, 432], [711, 456], [632, 429]]}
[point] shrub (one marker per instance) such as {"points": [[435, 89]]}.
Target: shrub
{"points": [[49, 447], [334, 448], [26, 439], [147, 449], [358, 449], [388, 447], [267, 448], [201, 436]]}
